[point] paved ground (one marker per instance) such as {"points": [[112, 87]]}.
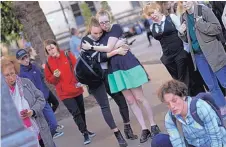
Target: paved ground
{"points": [[158, 74], [145, 54], [149, 57], [96, 122]]}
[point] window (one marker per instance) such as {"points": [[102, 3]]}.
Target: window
{"points": [[77, 13], [135, 4], [91, 6], [75, 7], [79, 20]]}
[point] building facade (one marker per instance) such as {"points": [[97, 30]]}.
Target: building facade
{"points": [[64, 15]]}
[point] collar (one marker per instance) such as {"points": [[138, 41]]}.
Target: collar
{"points": [[162, 20], [26, 68]]}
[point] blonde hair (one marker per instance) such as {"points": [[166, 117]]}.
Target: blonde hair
{"points": [[49, 42], [93, 22], [10, 61], [103, 13], [150, 8], [180, 8]]}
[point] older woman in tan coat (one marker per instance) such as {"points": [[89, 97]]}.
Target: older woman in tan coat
{"points": [[28, 100]]}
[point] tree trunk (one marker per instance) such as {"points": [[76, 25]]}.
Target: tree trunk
{"points": [[35, 25]]}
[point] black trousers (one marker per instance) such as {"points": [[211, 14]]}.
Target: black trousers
{"points": [[101, 97], [53, 102], [196, 82], [119, 100], [148, 36], [178, 68], [41, 143], [76, 107]]}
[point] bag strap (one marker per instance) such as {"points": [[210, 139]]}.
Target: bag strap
{"points": [[88, 66], [170, 20], [179, 128], [69, 59], [195, 116], [47, 64], [193, 110], [199, 10]]}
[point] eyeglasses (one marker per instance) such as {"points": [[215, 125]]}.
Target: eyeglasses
{"points": [[12, 74], [104, 22]]}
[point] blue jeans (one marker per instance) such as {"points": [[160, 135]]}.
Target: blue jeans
{"points": [[163, 140], [50, 118], [221, 75], [210, 78]]}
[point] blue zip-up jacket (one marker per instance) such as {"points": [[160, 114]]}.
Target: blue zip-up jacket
{"points": [[33, 73]]}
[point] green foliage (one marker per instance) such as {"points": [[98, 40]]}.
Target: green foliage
{"points": [[86, 12], [105, 6], [10, 25]]}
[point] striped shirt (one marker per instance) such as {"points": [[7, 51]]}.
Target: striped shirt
{"points": [[211, 135]]}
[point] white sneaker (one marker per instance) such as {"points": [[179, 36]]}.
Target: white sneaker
{"points": [[57, 134], [59, 127]]}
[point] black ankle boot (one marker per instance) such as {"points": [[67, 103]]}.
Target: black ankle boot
{"points": [[121, 140], [129, 132], [145, 136]]}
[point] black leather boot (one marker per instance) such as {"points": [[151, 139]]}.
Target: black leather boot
{"points": [[145, 135], [129, 132], [121, 140]]}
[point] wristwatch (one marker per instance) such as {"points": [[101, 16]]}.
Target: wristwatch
{"points": [[92, 48]]}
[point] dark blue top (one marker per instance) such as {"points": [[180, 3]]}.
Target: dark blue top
{"points": [[34, 74]]}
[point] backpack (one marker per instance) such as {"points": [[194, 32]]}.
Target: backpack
{"points": [[220, 37], [193, 109], [88, 70], [66, 53]]}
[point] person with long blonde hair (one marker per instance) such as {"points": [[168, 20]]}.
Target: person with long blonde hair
{"points": [[125, 74], [96, 83]]}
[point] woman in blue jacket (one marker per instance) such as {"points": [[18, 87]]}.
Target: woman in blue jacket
{"points": [[33, 73]]}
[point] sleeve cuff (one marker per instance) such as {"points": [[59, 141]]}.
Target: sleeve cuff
{"points": [[34, 113]]}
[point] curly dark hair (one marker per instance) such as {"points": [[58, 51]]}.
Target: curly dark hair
{"points": [[173, 86]]}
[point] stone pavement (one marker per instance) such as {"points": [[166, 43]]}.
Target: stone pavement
{"points": [[104, 136]]}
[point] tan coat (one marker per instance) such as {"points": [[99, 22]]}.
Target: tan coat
{"points": [[37, 102]]}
